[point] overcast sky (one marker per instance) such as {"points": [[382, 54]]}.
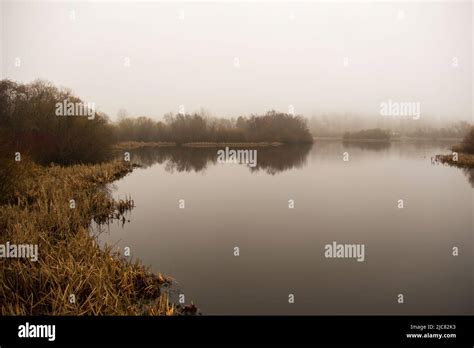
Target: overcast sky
{"points": [[240, 58]]}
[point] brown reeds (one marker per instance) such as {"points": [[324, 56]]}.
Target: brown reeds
{"points": [[72, 276]]}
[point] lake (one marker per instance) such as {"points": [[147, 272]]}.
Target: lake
{"points": [[408, 251]]}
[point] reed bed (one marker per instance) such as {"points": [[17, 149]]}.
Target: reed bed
{"points": [[464, 160], [73, 275]]}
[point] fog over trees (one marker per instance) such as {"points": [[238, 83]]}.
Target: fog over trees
{"points": [[335, 125]]}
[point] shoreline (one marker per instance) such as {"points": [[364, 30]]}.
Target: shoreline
{"points": [[131, 145], [394, 140], [73, 275], [249, 144], [465, 160], [457, 157]]}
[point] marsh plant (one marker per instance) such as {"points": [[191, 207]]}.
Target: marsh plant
{"points": [[70, 265]]}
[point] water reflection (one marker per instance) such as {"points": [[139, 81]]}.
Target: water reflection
{"points": [[351, 201], [272, 160]]}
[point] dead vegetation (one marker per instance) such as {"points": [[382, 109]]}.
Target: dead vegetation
{"points": [[463, 153], [72, 276]]}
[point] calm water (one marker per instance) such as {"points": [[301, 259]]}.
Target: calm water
{"points": [[407, 251]]}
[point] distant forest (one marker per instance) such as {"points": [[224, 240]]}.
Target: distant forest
{"points": [[271, 127], [335, 125], [29, 124]]}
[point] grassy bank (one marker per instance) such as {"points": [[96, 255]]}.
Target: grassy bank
{"points": [[464, 151], [70, 262], [464, 160]]}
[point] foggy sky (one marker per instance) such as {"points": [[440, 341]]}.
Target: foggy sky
{"points": [[288, 54]]}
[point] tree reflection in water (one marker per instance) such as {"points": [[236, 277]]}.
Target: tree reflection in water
{"points": [[272, 159]]}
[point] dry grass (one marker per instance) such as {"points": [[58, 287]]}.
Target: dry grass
{"points": [[465, 160], [70, 261]]}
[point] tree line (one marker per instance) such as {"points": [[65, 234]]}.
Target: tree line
{"points": [[188, 128], [29, 124]]}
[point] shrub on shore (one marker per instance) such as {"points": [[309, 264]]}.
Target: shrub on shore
{"points": [[28, 119]]}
